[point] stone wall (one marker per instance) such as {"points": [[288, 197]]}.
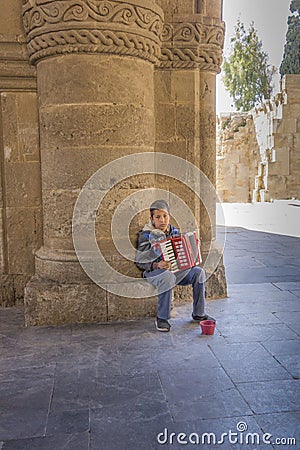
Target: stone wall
{"points": [[237, 157], [20, 187], [258, 154], [82, 84], [277, 125]]}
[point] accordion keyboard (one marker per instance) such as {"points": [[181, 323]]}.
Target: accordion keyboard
{"points": [[182, 251], [169, 255]]}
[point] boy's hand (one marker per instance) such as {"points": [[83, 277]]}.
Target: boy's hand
{"points": [[164, 265]]}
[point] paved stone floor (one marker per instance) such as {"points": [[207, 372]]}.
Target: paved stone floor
{"points": [[120, 386]]}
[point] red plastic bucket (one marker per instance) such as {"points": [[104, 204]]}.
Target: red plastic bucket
{"points": [[207, 326]]}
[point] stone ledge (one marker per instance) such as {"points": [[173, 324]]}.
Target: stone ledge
{"points": [[50, 303]]}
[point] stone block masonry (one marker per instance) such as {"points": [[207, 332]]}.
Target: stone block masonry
{"points": [[95, 81], [237, 157], [258, 154], [278, 132]]}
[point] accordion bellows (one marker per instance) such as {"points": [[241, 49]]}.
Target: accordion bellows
{"points": [[183, 251]]}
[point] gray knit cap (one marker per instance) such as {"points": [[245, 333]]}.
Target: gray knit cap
{"points": [[160, 204]]}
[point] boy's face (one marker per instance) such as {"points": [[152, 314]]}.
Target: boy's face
{"points": [[160, 219]]}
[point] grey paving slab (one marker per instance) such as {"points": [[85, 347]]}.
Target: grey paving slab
{"points": [[260, 306], [237, 352], [187, 355], [269, 274], [23, 420], [245, 262], [203, 393], [12, 349], [247, 304], [136, 363], [6, 341], [92, 330], [132, 434], [262, 299], [229, 320], [183, 354], [278, 253], [282, 426], [295, 327], [271, 396], [278, 261], [24, 398], [117, 385], [291, 363], [289, 318], [44, 336], [73, 388], [85, 354], [224, 403], [68, 422], [18, 362], [263, 318], [245, 297], [293, 250], [234, 432], [178, 391], [8, 336], [258, 371], [78, 441], [259, 333], [249, 362], [125, 390], [283, 347], [134, 408], [144, 340], [277, 307], [192, 334], [12, 322], [251, 287], [288, 286]]}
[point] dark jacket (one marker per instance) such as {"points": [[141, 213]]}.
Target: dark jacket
{"points": [[146, 258]]}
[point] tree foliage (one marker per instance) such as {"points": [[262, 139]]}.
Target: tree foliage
{"points": [[291, 56], [246, 72]]}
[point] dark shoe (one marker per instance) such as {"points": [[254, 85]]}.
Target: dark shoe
{"points": [[162, 325], [204, 317]]}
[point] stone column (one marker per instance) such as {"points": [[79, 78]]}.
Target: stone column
{"points": [[20, 191], [94, 63], [185, 96], [217, 280]]}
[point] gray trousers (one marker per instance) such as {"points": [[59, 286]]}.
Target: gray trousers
{"points": [[165, 280]]}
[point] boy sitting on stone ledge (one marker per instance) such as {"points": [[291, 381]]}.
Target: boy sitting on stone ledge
{"points": [[157, 271]]}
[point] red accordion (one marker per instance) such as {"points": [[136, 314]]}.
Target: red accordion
{"points": [[183, 251]]}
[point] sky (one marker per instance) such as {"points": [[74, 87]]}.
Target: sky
{"points": [[270, 21]]}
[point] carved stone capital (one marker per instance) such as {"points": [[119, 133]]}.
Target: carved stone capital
{"points": [[122, 27], [189, 45]]}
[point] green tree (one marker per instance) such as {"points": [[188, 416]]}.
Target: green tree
{"points": [[246, 72], [291, 57]]}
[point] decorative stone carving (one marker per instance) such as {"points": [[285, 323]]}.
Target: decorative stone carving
{"points": [[130, 28], [192, 45]]}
